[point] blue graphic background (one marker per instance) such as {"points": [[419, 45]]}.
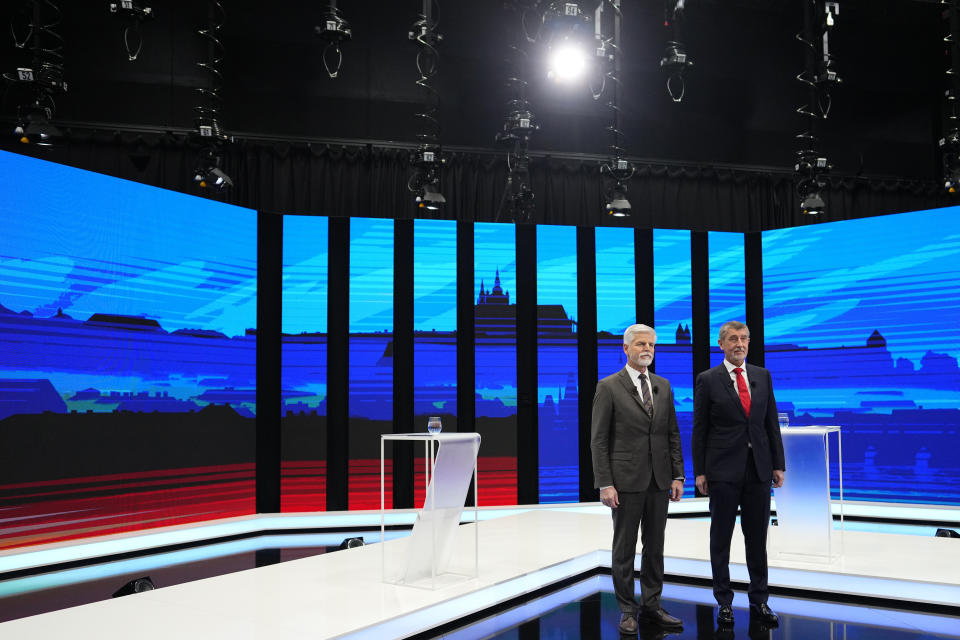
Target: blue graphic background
{"points": [[862, 331], [673, 311], [304, 323], [119, 296], [557, 393]]}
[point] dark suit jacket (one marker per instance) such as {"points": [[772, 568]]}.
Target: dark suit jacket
{"points": [[623, 436], [721, 429]]}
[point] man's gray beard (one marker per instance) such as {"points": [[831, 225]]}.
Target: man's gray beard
{"points": [[649, 361]]}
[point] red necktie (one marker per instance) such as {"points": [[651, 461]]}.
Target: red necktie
{"points": [[742, 390]]}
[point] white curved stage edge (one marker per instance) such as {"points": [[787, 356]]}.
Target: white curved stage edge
{"points": [[341, 594]]}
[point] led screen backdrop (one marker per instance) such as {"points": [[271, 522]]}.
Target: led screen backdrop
{"points": [[673, 312], [127, 355], [616, 295], [434, 332], [371, 358], [495, 321], [727, 284], [862, 330], [557, 396], [304, 358]]}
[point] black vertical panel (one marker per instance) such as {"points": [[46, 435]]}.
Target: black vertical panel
{"points": [[269, 301], [586, 350], [591, 618], [529, 630], [753, 272], [402, 362], [528, 458], [466, 337], [700, 274], [338, 363], [466, 332], [643, 272]]}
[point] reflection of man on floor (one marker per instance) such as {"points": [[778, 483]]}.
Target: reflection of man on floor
{"points": [[737, 453], [638, 467]]}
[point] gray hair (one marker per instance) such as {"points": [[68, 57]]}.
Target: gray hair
{"points": [[732, 325], [637, 328]]}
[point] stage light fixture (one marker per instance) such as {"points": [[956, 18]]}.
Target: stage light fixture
{"points": [[135, 13], [34, 126], [352, 543], [333, 30], [135, 586], [208, 172], [618, 206], [567, 62], [425, 180], [430, 198], [812, 204], [567, 33]]}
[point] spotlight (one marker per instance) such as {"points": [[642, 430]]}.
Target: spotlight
{"points": [[812, 204], [425, 181], [617, 204], [351, 543], [567, 62], [35, 128], [209, 174], [135, 586], [430, 198]]}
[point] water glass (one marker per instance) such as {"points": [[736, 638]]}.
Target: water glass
{"points": [[784, 419], [434, 425]]}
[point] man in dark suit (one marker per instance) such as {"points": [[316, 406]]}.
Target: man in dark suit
{"points": [[737, 454], [638, 467]]}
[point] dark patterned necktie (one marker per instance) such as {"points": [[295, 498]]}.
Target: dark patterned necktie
{"points": [[742, 390], [645, 394]]}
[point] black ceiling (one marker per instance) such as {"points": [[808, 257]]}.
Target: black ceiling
{"points": [[738, 108]]}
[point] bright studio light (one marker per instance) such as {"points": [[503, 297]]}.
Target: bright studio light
{"points": [[567, 63]]}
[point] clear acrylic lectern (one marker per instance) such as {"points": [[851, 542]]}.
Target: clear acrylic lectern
{"points": [[804, 512], [426, 558]]}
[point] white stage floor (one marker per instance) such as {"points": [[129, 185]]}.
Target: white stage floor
{"points": [[341, 594]]}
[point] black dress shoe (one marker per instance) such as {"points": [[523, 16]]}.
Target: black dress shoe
{"points": [[725, 616], [628, 623], [762, 613], [661, 618]]}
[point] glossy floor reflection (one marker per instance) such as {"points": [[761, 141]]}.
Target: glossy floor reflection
{"points": [[582, 611]]}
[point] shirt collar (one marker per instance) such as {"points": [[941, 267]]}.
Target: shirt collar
{"points": [[730, 367], [635, 375]]}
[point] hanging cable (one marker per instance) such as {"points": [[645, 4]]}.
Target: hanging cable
{"points": [[209, 171], [425, 182], [42, 78], [520, 123], [134, 14], [617, 171], [675, 59], [333, 30], [818, 77], [950, 142]]}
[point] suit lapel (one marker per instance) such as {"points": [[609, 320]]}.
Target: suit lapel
{"points": [[723, 378], [631, 388]]}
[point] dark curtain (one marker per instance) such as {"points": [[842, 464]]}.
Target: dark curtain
{"points": [[363, 180]]}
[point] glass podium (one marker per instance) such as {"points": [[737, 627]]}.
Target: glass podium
{"points": [[804, 510], [436, 552]]}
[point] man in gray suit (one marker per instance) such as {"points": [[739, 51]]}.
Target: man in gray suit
{"points": [[638, 467]]}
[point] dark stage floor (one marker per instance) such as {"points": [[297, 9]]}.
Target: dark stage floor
{"points": [[584, 611]]}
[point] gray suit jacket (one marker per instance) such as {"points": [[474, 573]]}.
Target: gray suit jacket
{"points": [[625, 441]]}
